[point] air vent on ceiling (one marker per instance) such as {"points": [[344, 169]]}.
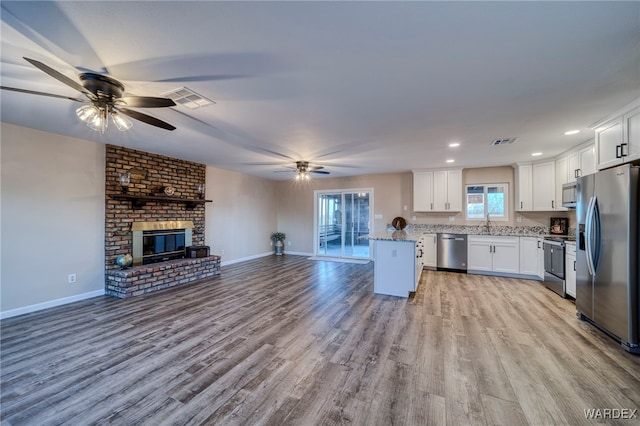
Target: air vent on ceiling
{"points": [[188, 98], [504, 141]]}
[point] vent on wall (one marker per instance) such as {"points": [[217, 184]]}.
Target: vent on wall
{"points": [[188, 98], [504, 141]]}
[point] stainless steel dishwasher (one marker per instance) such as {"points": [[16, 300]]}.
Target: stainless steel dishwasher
{"points": [[452, 251]]}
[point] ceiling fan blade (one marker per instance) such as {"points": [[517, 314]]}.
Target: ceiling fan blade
{"points": [[320, 172], [60, 77], [284, 171], [316, 168], [146, 119], [146, 102], [33, 92]]}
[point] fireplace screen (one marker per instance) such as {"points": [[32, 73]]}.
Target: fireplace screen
{"points": [[160, 241], [158, 246]]}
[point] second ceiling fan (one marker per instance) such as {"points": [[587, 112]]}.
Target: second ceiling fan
{"points": [[303, 169]]}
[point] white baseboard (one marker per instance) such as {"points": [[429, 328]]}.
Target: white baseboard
{"points": [[298, 253], [244, 259], [50, 304], [256, 256]]}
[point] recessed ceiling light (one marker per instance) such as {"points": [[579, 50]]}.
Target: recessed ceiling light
{"points": [[450, 161], [454, 144], [536, 154], [572, 132]]}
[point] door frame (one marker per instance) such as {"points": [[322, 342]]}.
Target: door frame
{"points": [[342, 192]]}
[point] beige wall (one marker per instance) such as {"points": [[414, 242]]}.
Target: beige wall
{"points": [[52, 203], [242, 216], [391, 192]]}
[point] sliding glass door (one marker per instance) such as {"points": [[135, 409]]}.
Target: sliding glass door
{"points": [[343, 219]]}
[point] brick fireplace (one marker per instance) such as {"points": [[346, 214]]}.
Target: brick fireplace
{"points": [[149, 175]]}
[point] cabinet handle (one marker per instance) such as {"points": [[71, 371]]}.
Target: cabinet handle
{"points": [[552, 204], [622, 153], [574, 265], [577, 173], [618, 151], [521, 205], [538, 244]]}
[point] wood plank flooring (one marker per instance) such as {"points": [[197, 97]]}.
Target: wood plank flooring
{"points": [[285, 340]]}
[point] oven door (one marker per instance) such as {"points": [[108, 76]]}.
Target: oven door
{"points": [[554, 266]]}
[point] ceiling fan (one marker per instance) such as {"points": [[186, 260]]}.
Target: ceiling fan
{"points": [[303, 170], [104, 98]]}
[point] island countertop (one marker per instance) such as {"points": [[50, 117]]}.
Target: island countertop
{"points": [[396, 236]]}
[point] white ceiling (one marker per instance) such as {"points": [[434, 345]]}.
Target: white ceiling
{"points": [[361, 87]]}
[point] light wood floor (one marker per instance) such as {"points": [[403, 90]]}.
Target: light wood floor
{"points": [[286, 340]]}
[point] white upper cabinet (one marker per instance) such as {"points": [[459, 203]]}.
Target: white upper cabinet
{"points": [[562, 177], [618, 139], [544, 186], [523, 178], [437, 190], [423, 191], [586, 162]]}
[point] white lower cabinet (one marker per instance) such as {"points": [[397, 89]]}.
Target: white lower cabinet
{"points": [[486, 253], [532, 257], [430, 248], [570, 270], [395, 271]]}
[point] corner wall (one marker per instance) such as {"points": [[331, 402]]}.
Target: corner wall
{"points": [[242, 216], [52, 202]]}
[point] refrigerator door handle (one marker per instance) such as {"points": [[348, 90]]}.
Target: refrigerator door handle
{"points": [[588, 232], [597, 235]]}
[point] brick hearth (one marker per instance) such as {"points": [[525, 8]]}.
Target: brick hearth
{"points": [[139, 280]]}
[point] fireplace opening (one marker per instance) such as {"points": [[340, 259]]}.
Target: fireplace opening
{"points": [[155, 242]]}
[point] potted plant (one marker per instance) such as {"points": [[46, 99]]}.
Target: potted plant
{"points": [[278, 240]]}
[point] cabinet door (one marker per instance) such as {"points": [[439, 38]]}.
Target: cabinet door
{"points": [[479, 254], [562, 177], [506, 255], [544, 188], [529, 252], [454, 190], [523, 187], [422, 191], [430, 251], [632, 135], [440, 190], [608, 139], [573, 167], [570, 274], [587, 159]]}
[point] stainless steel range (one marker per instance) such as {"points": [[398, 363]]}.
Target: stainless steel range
{"points": [[554, 264]]}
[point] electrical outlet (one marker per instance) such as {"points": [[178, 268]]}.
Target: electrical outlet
{"points": [[289, 243], [72, 278], [222, 252], [413, 218], [519, 219], [452, 218], [405, 208]]}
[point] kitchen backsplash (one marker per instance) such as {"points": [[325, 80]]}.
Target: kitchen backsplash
{"points": [[482, 229]]}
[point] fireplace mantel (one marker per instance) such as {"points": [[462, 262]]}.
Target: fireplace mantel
{"points": [[139, 201]]}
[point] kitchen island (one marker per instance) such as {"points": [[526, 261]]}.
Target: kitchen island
{"points": [[399, 258]]}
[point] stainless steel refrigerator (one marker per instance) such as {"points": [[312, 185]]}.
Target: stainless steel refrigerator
{"points": [[607, 253]]}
